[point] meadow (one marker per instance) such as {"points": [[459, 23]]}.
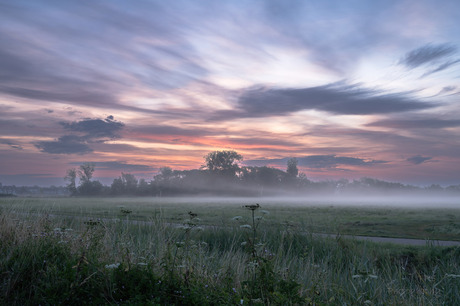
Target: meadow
{"points": [[226, 251]]}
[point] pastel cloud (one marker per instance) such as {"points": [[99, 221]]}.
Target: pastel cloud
{"points": [[418, 159], [118, 166]]}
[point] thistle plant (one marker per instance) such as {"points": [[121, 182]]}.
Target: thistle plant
{"points": [[185, 245], [256, 263], [253, 208]]}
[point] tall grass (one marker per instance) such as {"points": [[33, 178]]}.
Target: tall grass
{"points": [[62, 260]]}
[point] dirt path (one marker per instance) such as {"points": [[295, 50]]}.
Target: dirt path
{"points": [[404, 241]]}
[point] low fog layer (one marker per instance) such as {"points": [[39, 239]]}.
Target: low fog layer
{"points": [[222, 175], [401, 201]]}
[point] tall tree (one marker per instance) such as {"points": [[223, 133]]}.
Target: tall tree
{"points": [[292, 170], [130, 182], [223, 162], [85, 172], [71, 177], [117, 186]]}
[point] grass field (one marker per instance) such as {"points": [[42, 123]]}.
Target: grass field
{"points": [[213, 252], [422, 219]]}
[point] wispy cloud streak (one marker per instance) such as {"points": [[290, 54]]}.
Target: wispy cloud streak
{"points": [[427, 54], [336, 99]]}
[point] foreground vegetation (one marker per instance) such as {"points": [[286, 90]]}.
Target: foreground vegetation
{"points": [[100, 252]]}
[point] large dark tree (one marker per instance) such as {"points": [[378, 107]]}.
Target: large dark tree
{"points": [[292, 170], [85, 172], [223, 163], [71, 177], [125, 184]]}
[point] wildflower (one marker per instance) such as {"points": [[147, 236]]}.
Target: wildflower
{"points": [[253, 264], [246, 226], [112, 266], [252, 206]]}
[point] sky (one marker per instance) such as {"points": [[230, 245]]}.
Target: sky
{"points": [[350, 88]]}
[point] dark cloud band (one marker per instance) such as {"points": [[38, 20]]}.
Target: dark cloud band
{"points": [[318, 161], [90, 130], [418, 159], [430, 123], [343, 100]]}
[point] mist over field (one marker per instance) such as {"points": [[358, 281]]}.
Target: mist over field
{"points": [[326, 200]]}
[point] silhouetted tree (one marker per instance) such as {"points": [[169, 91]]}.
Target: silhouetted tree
{"points": [[292, 170], [163, 182], [85, 172], [125, 184], [130, 182], [90, 188], [165, 175], [269, 176], [143, 188], [117, 186], [71, 176], [223, 163]]}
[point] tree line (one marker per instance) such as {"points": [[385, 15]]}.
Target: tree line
{"points": [[221, 174]]}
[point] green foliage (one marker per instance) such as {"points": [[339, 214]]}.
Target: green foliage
{"points": [[264, 285], [123, 261]]}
